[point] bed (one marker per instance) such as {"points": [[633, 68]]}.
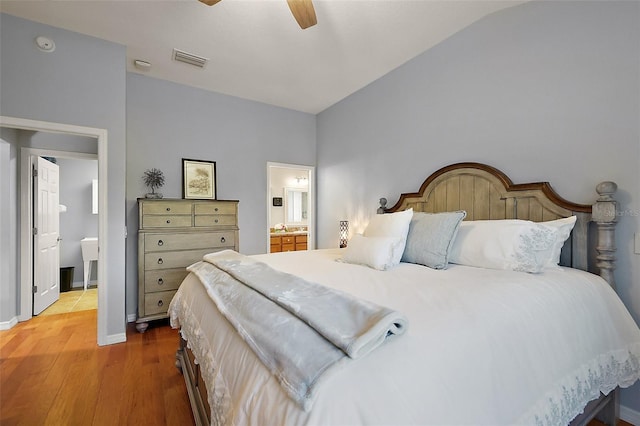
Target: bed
{"points": [[482, 344]]}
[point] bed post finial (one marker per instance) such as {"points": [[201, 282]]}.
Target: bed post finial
{"points": [[383, 205], [604, 214]]}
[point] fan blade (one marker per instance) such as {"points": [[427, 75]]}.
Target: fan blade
{"points": [[303, 11], [209, 2]]}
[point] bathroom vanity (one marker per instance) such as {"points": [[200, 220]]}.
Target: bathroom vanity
{"points": [[288, 241]]}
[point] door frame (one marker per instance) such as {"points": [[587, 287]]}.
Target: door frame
{"points": [[26, 205], [311, 221]]}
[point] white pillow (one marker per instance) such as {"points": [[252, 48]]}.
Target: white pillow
{"points": [[375, 252], [516, 245], [564, 227], [393, 225]]}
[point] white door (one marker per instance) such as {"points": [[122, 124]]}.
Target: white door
{"points": [[46, 253]]}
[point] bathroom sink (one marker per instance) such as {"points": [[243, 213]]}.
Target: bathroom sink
{"points": [[89, 247]]}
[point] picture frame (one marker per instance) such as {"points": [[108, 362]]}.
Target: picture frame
{"points": [[198, 179], [277, 201]]}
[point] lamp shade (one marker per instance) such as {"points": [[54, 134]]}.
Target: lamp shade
{"points": [[344, 233]]}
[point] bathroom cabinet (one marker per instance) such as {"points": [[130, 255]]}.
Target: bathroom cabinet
{"points": [[173, 234], [288, 242]]}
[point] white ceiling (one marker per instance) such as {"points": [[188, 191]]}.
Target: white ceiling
{"points": [[257, 51]]}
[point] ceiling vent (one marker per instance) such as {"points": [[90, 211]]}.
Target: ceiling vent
{"points": [[189, 58]]}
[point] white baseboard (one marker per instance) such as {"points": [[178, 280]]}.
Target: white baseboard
{"points": [[116, 338], [6, 325], [131, 318], [629, 415]]}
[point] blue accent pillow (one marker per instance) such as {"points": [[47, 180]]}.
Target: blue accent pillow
{"points": [[431, 237]]}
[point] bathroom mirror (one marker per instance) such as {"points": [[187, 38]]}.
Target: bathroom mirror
{"points": [[296, 206]]}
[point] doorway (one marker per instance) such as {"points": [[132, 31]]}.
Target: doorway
{"points": [[290, 200], [25, 260], [78, 222]]}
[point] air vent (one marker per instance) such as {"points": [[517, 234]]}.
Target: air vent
{"points": [[189, 58]]}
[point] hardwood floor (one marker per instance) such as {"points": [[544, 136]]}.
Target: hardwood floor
{"points": [[53, 373]]}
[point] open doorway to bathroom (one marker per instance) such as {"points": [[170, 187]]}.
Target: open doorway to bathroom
{"points": [[290, 207], [77, 219], [78, 230]]}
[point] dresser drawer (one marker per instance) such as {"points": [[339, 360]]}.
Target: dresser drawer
{"points": [[157, 303], [164, 279], [215, 220], [166, 207], [190, 240], [166, 221], [215, 208], [173, 259]]}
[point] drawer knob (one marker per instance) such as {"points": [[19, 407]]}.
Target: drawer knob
{"points": [[168, 209], [223, 240], [160, 242], [216, 209], [216, 221], [160, 261], [160, 303], [160, 281], [168, 221]]}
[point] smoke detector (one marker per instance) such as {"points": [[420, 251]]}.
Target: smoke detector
{"points": [[142, 65], [45, 44]]}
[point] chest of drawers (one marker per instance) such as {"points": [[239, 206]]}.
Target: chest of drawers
{"points": [[173, 234]]}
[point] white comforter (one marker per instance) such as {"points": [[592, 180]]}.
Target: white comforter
{"points": [[483, 347]]}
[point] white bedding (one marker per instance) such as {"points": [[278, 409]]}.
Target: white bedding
{"points": [[483, 347]]}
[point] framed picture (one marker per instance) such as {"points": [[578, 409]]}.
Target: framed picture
{"points": [[277, 201], [198, 179]]}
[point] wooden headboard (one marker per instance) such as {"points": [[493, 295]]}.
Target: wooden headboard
{"points": [[484, 192]]}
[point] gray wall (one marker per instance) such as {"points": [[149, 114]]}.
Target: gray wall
{"points": [[167, 122], [58, 142], [8, 226], [82, 82], [77, 222], [542, 91]]}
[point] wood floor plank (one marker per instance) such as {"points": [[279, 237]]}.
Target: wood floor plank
{"points": [[52, 373]]}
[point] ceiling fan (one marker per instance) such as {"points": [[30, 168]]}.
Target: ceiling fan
{"points": [[302, 10]]}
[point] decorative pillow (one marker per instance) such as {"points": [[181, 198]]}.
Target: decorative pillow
{"points": [[516, 245], [375, 252], [431, 237], [564, 227], [394, 225]]}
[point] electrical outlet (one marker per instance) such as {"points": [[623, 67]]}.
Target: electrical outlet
{"points": [[637, 245]]}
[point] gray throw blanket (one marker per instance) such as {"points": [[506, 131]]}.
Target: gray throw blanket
{"points": [[298, 329]]}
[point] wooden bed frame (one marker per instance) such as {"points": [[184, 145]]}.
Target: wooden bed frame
{"points": [[486, 193]]}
